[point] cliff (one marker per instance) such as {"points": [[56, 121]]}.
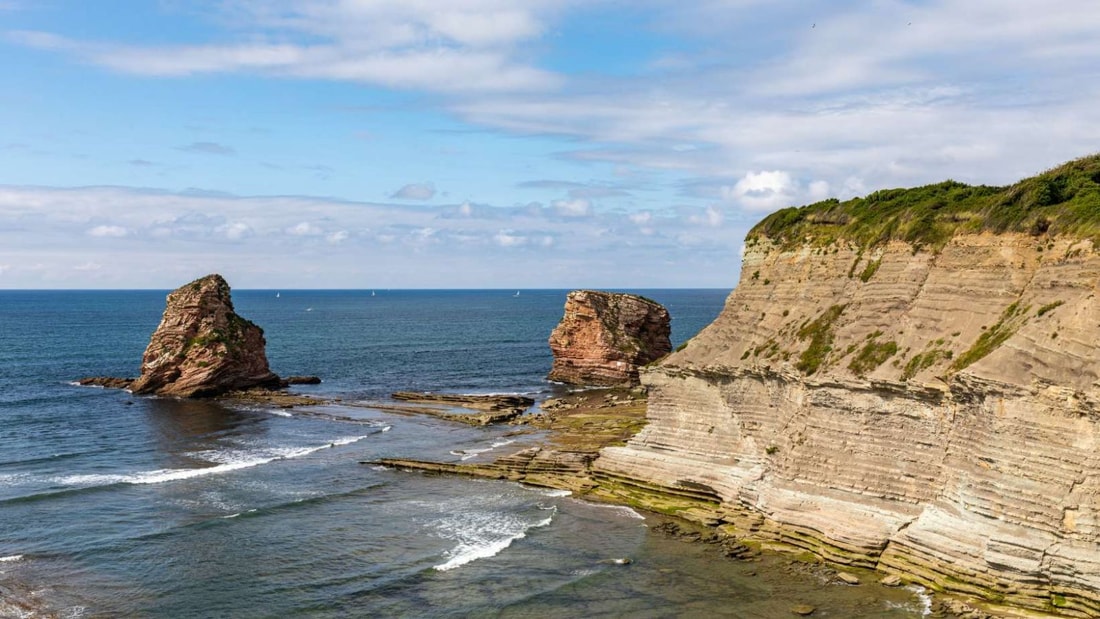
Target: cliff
{"points": [[905, 382], [604, 337], [202, 347]]}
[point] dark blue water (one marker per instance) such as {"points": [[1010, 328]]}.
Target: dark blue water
{"points": [[114, 505]]}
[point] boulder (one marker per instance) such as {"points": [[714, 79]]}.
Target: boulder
{"points": [[202, 348], [605, 337]]}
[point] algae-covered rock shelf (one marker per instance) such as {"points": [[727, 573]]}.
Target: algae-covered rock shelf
{"points": [[906, 382]]}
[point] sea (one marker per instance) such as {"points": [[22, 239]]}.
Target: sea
{"points": [[114, 505]]}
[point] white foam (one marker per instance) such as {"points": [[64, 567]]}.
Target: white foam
{"points": [[556, 493], [11, 559], [280, 413], [924, 598], [386, 428], [12, 478], [481, 536], [507, 441], [237, 514], [621, 509], [230, 461]]}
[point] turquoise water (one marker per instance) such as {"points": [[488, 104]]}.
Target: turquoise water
{"points": [[115, 505]]}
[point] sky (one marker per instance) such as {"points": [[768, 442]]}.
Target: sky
{"points": [[500, 144]]}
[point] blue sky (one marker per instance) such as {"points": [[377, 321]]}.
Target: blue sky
{"points": [[500, 144]]}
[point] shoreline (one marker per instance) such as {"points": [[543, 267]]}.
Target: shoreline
{"points": [[581, 423], [575, 427]]}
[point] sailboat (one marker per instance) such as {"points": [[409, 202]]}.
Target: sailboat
{"points": [[276, 295], [517, 294], [372, 293]]}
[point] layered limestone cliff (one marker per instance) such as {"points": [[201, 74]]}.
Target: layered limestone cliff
{"points": [[929, 409], [604, 337], [202, 347]]}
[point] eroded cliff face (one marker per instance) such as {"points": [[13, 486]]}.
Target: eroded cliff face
{"points": [[931, 414], [604, 337], [202, 347]]}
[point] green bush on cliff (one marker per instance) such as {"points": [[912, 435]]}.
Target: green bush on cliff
{"points": [[993, 337], [871, 356], [1063, 200], [820, 334]]}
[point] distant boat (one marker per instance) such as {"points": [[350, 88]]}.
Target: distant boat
{"points": [[372, 293], [517, 294], [276, 295]]}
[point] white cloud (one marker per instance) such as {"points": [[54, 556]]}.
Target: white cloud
{"points": [[578, 207], [108, 231], [458, 46], [88, 266], [304, 229], [711, 217], [421, 246], [818, 190], [236, 231], [415, 191], [506, 238], [763, 191]]}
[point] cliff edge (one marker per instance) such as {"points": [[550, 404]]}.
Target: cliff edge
{"points": [[202, 348], [604, 337], [907, 382]]}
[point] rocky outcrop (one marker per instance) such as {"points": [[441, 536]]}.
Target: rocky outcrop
{"points": [[498, 408], [107, 382], [605, 337], [202, 348], [929, 413]]}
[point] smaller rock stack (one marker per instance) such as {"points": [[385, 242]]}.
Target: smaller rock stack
{"points": [[202, 348], [605, 337]]}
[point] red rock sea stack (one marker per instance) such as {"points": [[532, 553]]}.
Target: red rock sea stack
{"points": [[202, 348], [605, 337]]}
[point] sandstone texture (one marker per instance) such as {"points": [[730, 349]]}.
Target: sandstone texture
{"points": [[202, 348], [605, 337], [931, 413]]}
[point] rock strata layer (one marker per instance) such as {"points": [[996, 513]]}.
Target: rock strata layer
{"points": [[928, 413], [202, 348], [605, 337]]}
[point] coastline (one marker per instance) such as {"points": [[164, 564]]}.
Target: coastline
{"points": [[578, 425]]}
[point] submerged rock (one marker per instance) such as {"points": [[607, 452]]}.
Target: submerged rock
{"points": [[605, 337], [108, 382], [202, 348]]}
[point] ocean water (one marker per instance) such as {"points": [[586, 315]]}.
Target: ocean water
{"points": [[119, 506]]}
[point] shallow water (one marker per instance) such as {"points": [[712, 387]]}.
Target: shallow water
{"points": [[114, 505]]}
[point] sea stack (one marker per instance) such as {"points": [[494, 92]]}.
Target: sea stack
{"points": [[202, 348], [605, 337]]}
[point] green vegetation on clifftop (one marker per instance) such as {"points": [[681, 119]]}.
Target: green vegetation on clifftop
{"points": [[1064, 200]]}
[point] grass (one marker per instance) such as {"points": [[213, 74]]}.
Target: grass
{"points": [[871, 356], [820, 334], [1048, 307], [993, 337], [923, 361], [869, 270], [1063, 200]]}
